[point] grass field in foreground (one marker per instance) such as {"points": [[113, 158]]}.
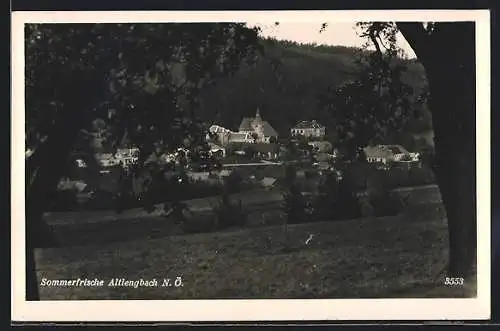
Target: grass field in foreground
{"points": [[369, 258]]}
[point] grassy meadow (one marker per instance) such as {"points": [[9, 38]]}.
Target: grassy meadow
{"points": [[399, 256]]}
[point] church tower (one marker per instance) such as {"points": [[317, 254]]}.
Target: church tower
{"points": [[258, 126], [257, 115]]}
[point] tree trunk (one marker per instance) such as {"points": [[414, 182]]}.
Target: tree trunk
{"points": [[455, 168], [44, 170], [449, 61], [44, 173], [32, 293]]}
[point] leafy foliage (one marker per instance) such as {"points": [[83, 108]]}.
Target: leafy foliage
{"points": [[382, 200], [229, 213], [336, 200], [140, 80], [385, 203], [226, 214], [294, 205], [377, 102], [234, 182]]}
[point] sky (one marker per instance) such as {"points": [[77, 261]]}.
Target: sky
{"points": [[339, 33]]}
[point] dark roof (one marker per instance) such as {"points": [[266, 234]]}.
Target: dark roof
{"points": [[384, 151], [397, 149], [246, 125], [269, 130], [377, 151], [308, 125]]}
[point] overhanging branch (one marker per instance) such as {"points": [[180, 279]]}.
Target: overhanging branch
{"points": [[416, 35]]}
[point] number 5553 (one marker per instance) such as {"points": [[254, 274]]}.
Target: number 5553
{"points": [[453, 281]]}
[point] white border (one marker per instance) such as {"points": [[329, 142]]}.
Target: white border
{"points": [[253, 310]]}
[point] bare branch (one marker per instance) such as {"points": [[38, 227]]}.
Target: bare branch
{"points": [[382, 43], [323, 27], [373, 37]]}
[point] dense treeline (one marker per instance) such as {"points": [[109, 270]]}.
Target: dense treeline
{"points": [[287, 81]]}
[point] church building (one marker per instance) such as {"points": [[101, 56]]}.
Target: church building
{"points": [[258, 128]]}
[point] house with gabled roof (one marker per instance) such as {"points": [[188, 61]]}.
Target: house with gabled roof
{"points": [[389, 153], [309, 129], [258, 128]]}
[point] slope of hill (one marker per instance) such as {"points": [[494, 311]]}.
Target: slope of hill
{"points": [[256, 263]]}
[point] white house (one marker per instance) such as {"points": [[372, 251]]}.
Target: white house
{"points": [[127, 156], [81, 163], [309, 129], [239, 137], [389, 153], [216, 149], [226, 136], [123, 156], [218, 129]]}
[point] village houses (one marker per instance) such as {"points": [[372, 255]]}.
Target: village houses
{"points": [[310, 129]]}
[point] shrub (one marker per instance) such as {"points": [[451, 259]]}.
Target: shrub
{"points": [[386, 203], [189, 189], [421, 176], [175, 210], [295, 205], [259, 175], [380, 200], [166, 190], [234, 182], [199, 225], [310, 174], [228, 214], [250, 152], [201, 189], [101, 199], [400, 177], [396, 177], [64, 200], [290, 174], [348, 206], [356, 175], [365, 206], [427, 155], [325, 201], [336, 200]]}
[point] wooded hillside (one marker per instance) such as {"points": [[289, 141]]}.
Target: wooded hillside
{"points": [[287, 82]]}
